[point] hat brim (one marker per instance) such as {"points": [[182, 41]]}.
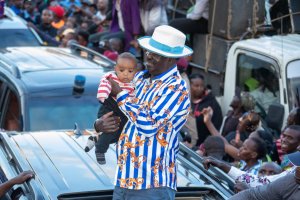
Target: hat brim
{"points": [[144, 43], [294, 158]]}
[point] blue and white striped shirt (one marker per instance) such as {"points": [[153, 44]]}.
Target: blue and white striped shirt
{"points": [[148, 146]]}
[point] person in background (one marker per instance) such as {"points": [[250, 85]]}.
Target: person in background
{"points": [[251, 179], [153, 13], [30, 14], [201, 98], [102, 6], [67, 35], [46, 21], [59, 12], [248, 123], [83, 38], [267, 169], [214, 146], [125, 24], [196, 20], [292, 119], [241, 103], [285, 186], [250, 155], [17, 6]]}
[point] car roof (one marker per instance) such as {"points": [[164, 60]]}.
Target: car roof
{"points": [[11, 20], [60, 163], [49, 67], [276, 46], [62, 166]]}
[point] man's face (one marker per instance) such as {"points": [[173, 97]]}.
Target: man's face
{"points": [[155, 63], [125, 69], [47, 16], [290, 140], [269, 169]]}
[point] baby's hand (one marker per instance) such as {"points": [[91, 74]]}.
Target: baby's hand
{"points": [[115, 88]]}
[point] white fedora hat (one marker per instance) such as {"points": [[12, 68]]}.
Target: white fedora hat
{"points": [[166, 41]]}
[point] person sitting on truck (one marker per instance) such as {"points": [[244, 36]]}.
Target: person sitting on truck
{"points": [[267, 92], [196, 20]]}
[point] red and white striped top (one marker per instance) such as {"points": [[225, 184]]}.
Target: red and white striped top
{"points": [[104, 88]]}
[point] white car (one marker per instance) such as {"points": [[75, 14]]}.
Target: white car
{"points": [[14, 31]]}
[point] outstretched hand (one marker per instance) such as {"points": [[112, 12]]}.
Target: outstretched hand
{"points": [[108, 123], [208, 161], [207, 114], [22, 177]]}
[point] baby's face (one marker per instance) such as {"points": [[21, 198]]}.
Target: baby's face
{"points": [[125, 69]]}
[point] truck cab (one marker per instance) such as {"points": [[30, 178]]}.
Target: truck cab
{"points": [[272, 62]]}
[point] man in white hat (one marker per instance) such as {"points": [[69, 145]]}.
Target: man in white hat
{"points": [[148, 147]]}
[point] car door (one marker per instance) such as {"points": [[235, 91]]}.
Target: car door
{"points": [[10, 115]]}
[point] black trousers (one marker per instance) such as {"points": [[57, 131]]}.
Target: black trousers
{"points": [[105, 139], [189, 26]]}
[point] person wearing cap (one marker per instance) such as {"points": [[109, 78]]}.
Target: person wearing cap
{"points": [[148, 147], [59, 13]]}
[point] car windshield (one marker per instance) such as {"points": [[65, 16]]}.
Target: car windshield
{"points": [[293, 82], [51, 113], [17, 37]]}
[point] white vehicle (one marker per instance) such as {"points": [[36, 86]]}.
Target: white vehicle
{"points": [[14, 31], [274, 60], [279, 56]]}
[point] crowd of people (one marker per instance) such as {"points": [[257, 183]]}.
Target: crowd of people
{"points": [[136, 110]]}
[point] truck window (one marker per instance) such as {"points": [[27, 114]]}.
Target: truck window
{"points": [[260, 79], [293, 83]]}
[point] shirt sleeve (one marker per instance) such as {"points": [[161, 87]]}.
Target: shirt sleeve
{"points": [[273, 191], [251, 179], [156, 115], [198, 10]]}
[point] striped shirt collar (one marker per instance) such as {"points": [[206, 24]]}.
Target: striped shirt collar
{"points": [[163, 76]]}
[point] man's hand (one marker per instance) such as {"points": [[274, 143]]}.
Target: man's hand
{"points": [[107, 123], [22, 177], [115, 88], [207, 162]]}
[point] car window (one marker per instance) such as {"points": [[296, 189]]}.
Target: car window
{"points": [[260, 79], [17, 37], [54, 113], [293, 83], [12, 114]]}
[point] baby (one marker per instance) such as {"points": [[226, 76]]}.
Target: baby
{"points": [[125, 70]]}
